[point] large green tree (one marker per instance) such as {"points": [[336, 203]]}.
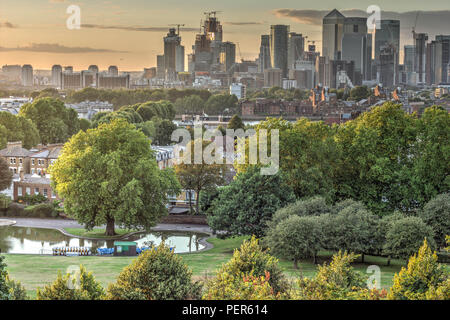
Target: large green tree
{"points": [[248, 203], [5, 175], [436, 214], [54, 121], [109, 175], [19, 128]]}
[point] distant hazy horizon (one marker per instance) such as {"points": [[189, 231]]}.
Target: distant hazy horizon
{"points": [[129, 33]]}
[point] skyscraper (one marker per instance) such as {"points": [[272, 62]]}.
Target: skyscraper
{"points": [[409, 58], [93, 68], [420, 42], [113, 71], [296, 47], [27, 75], [279, 48], [264, 53], [228, 56], [56, 75], [356, 43], [171, 42], [332, 33], [388, 36]]}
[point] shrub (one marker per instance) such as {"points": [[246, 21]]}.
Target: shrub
{"points": [[32, 199], [4, 289], [157, 274], [10, 289], [43, 210], [15, 210], [436, 214], [405, 237], [82, 286], [335, 281], [16, 290], [424, 278], [248, 261]]}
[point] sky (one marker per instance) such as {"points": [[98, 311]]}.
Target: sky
{"points": [[128, 33]]}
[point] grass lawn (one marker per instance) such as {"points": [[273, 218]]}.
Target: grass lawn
{"points": [[96, 232], [35, 271]]}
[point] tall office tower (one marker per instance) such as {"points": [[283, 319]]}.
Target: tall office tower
{"points": [[357, 47], [160, 67], [409, 57], [93, 68], [429, 76], [420, 43], [228, 56], [323, 72], [68, 69], [279, 47], [332, 33], [27, 75], [296, 47], [56, 75], [88, 79], [388, 36], [179, 59], [113, 71], [303, 73], [441, 59], [388, 66], [264, 53], [171, 42], [273, 77]]}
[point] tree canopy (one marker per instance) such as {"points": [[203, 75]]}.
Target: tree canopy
{"points": [[109, 175]]}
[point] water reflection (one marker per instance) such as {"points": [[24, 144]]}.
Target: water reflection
{"points": [[41, 241]]}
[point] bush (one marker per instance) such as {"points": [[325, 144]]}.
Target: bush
{"points": [[424, 278], [15, 210], [247, 261], [436, 214], [4, 289], [405, 237], [32, 199], [82, 286], [16, 290], [43, 210], [157, 274], [335, 281]]}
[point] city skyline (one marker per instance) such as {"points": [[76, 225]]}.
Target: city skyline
{"points": [[114, 33]]}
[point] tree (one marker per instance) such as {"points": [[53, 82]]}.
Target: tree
{"points": [[163, 132], [85, 124], [247, 261], [431, 168], [19, 128], [219, 103], [335, 281], [53, 120], [157, 274], [424, 278], [405, 236], [199, 177], [235, 123], [296, 238], [82, 286], [359, 93], [246, 205], [436, 214], [353, 229], [109, 175], [375, 159], [10, 289], [192, 104], [6, 175]]}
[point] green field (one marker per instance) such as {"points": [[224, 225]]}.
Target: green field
{"points": [[35, 271]]}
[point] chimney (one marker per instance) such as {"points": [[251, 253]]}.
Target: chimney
{"points": [[21, 175], [11, 145]]}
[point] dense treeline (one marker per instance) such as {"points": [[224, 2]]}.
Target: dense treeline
{"points": [[386, 158]]}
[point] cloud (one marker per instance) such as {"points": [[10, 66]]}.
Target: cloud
{"points": [[55, 48], [7, 24], [134, 28]]}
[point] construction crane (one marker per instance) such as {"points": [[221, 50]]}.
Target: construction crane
{"points": [[415, 24], [178, 27]]}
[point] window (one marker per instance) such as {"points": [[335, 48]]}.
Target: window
{"points": [[19, 191], [32, 162], [20, 160], [45, 193], [28, 190], [36, 190], [11, 160], [32, 171]]}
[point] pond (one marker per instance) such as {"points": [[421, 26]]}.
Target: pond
{"points": [[41, 241]]}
